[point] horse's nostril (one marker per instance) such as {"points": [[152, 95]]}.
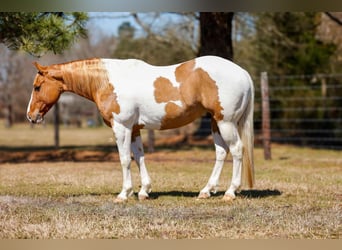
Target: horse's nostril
{"points": [[33, 120]]}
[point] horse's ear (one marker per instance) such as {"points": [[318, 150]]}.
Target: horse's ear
{"points": [[41, 69], [48, 71]]}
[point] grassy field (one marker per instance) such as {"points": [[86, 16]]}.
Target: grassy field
{"points": [[297, 195]]}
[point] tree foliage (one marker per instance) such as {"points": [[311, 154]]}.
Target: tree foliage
{"points": [[151, 48], [38, 33], [290, 50], [288, 44]]}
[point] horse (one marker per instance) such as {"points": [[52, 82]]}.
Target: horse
{"points": [[131, 95]]}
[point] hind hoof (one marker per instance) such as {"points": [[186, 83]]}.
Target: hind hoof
{"points": [[228, 198]]}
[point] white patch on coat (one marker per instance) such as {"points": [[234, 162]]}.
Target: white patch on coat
{"points": [[133, 81]]}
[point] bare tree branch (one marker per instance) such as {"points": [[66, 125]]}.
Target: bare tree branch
{"points": [[143, 25], [334, 18]]}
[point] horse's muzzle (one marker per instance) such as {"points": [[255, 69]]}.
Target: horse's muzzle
{"points": [[37, 119]]}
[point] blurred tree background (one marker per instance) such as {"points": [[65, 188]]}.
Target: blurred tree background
{"points": [[284, 44]]}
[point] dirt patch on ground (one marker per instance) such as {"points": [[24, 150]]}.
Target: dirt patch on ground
{"points": [[56, 155], [87, 154]]}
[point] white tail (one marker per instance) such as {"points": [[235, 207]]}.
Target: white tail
{"points": [[246, 131]]}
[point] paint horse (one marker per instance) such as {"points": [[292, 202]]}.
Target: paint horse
{"points": [[133, 95]]}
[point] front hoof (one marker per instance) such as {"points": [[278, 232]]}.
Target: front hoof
{"points": [[120, 200], [228, 198], [202, 196]]}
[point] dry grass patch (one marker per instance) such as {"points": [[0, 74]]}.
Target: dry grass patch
{"points": [[297, 195]]}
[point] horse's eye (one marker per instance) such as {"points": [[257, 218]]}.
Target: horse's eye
{"points": [[37, 88]]}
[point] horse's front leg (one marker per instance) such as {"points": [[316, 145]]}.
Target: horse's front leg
{"points": [[123, 140]]}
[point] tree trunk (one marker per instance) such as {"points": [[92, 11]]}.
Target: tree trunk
{"points": [[216, 39], [216, 34], [8, 116]]}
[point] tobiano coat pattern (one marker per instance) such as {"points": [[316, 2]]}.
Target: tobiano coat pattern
{"points": [[132, 95]]}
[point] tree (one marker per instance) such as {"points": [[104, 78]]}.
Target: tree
{"points": [[288, 44], [151, 49], [334, 18], [40, 32], [216, 34]]}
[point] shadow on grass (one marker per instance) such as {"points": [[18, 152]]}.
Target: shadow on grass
{"points": [[253, 193], [250, 194]]}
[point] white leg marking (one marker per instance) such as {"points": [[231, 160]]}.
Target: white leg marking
{"points": [[231, 136], [221, 153], [138, 152], [123, 140]]}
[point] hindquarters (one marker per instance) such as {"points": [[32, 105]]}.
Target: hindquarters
{"points": [[237, 130]]}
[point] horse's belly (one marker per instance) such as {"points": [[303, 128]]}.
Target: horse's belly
{"points": [[177, 116], [170, 116]]}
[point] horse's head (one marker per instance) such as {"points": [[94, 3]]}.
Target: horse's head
{"points": [[47, 88]]}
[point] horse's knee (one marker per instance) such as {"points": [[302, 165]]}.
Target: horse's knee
{"points": [[125, 160], [221, 154]]}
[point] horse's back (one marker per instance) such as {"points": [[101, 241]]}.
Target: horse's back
{"points": [[161, 94]]}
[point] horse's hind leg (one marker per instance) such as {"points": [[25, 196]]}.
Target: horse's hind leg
{"points": [[138, 153], [230, 135], [221, 153]]}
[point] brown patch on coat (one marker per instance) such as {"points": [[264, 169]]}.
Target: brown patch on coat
{"points": [[197, 92], [177, 116], [136, 131], [209, 94], [164, 91], [182, 71], [214, 127], [107, 104]]}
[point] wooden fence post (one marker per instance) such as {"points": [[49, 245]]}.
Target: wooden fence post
{"points": [[150, 141], [266, 126]]}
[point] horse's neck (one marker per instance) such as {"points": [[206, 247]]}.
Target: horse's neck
{"points": [[85, 77]]}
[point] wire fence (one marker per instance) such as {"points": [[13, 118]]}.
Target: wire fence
{"points": [[304, 110]]}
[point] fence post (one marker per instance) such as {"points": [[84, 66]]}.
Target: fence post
{"points": [[266, 126], [150, 141]]}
